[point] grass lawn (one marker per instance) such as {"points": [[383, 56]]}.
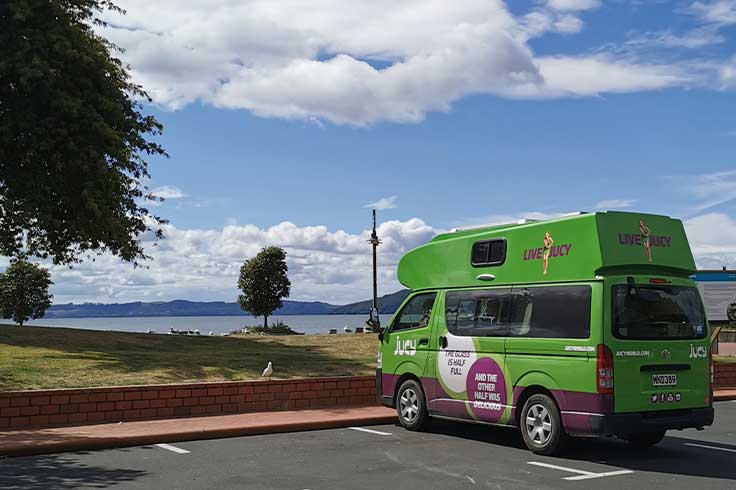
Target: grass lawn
{"points": [[43, 358]]}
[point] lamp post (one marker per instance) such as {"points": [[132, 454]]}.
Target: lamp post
{"points": [[374, 320]]}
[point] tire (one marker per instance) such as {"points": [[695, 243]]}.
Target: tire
{"points": [[644, 440], [541, 425], [411, 406]]}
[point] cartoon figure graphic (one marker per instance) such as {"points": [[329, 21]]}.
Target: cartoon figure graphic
{"points": [[547, 247], [645, 232]]}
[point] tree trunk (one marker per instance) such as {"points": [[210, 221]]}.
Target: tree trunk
{"points": [[265, 321]]}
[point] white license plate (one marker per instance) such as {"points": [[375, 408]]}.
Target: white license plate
{"points": [[664, 380]]}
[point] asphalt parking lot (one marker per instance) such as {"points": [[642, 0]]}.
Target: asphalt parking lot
{"points": [[449, 456]]}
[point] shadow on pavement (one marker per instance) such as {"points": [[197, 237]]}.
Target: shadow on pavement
{"points": [[672, 456], [60, 472]]}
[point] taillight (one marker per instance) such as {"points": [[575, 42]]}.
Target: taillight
{"points": [[604, 369]]}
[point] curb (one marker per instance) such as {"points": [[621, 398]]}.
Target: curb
{"points": [[84, 443], [725, 397]]}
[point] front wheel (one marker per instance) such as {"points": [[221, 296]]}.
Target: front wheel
{"points": [[541, 425], [644, 439], [411, 406]]}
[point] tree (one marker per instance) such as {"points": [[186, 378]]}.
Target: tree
{"points": [[264, 283], [73, 138], [24, 291]]}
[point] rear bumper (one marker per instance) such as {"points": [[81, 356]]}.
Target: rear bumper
{"points": [[628, 423]]}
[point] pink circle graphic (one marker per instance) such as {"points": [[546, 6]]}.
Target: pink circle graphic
{"points": [[486, 389]]}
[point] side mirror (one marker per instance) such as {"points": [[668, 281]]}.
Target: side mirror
{"points": [[380, 336]]}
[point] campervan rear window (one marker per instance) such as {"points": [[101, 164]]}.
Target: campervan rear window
{"points": [[657, 312], [534, 312]]}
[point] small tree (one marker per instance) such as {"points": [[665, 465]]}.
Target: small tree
{"points": [[24, 291], [264, 283]]}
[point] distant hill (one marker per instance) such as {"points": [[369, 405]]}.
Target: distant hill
{"points": [[388, 304]]}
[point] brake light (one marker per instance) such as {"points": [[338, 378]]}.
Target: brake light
{"points": [[658, 280], [604, 369]]}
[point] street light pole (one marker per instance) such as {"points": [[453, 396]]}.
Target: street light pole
{"points": [[374, 320]]}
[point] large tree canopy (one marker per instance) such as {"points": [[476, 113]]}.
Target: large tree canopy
{"points": [[264, 282], [73, 138]]}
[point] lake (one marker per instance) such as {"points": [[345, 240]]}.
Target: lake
{"points": [[218, 324]]}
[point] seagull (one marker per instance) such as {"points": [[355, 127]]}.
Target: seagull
{"points": [[268, 371]]}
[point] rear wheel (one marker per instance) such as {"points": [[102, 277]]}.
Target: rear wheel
{"points": [[411, 406], [644, 439], [541, 425]]}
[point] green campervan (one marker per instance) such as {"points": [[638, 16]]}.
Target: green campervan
{"points": [[583, 325]]}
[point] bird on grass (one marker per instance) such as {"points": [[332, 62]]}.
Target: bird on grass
{"points": [[268, 371]]}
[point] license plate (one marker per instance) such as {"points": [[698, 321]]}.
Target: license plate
{"points": [[664, 380]]}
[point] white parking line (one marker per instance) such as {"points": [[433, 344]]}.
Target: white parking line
{"points": [[371, 431], [582, 474], [711, 447], [598, 475], [173, 449]]}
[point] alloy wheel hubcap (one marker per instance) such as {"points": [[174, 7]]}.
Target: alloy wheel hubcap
{"points": [[409, 405], [538, 424]]}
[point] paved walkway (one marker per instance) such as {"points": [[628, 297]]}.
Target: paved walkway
{"points": [[87, 437], [63, 439]]}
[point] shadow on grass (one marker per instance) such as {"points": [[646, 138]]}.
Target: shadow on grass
{"points": [[60, 472], [123, 358]]}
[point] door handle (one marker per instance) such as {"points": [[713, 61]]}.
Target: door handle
{"points": [[443, 342], [424, 341]]}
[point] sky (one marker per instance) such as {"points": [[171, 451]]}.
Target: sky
{"points": [[286, 121]]}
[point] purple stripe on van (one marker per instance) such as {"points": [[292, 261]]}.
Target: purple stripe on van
{"points": [[442, 403], [577, 423], [577, 401]]}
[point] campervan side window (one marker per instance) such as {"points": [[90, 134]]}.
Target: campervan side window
{"points": [[488, 253], [551, 312], [416, 313], [479, 313]]}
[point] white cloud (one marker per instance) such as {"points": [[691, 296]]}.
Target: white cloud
{"points": [[383, 203], [565, 5], [727, 74], [601, 73], [717, 12], [712, 238], [324, 265], [693, 39], [332, 266], [359, 63], [615, 203], [168, 192], [711, 189]]}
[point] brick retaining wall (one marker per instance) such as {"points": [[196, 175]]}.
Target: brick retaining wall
{"points": [[24, 409], [48, 408], [725, 375]]}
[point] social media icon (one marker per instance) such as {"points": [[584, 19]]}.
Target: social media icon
{"points": [[654, 398], [678, 397]]}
